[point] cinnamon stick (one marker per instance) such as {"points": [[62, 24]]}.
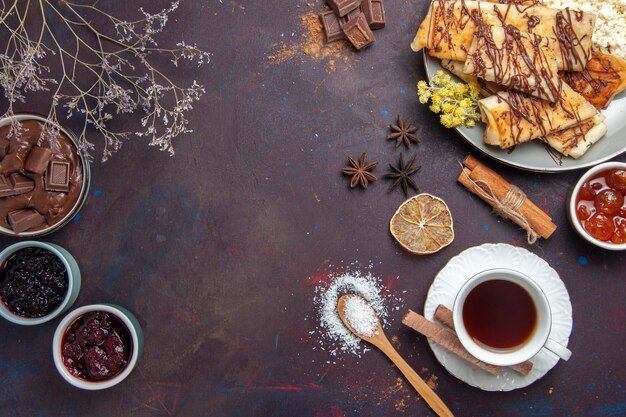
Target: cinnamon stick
{"points": [[444, 315], [475, 172], [445, 339]]}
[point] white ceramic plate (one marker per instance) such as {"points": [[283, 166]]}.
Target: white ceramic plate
{"points": [[473, 260], [533, 156]]}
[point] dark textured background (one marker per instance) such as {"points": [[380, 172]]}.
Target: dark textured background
{"points": [[213, 249]]}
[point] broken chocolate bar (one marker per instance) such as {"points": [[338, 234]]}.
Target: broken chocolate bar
{"points": [[21, 184], [342, 7], [6, 189], [374, 11], [22, 220], [58, 176], [358, 32], [332, 29], [353, 14], [38, 159]]}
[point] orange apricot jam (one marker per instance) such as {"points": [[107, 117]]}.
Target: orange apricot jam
{"points": [[600, 206]]}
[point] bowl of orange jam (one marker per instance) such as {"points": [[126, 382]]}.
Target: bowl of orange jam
{"points": [[597, 206]]}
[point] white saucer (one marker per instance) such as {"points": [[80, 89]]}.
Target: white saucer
{"points": [[473, 260]]}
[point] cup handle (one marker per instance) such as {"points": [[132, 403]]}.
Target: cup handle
{"points": [[558, 349]]}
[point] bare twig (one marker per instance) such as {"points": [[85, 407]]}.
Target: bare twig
{"points": [[102, 73]]}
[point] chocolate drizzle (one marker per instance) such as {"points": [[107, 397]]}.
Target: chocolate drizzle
{"points": [[600, 80], [596, 85], [536, 112], [451, 24], [513, 58], [573, 53], [518, 3], [442, 20], [533, 21]]}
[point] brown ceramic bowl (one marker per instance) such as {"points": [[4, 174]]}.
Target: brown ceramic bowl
{"points": [[83, 177]]}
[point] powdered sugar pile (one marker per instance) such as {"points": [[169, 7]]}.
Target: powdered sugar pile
{"points": [[360, 316], [335, 337]]}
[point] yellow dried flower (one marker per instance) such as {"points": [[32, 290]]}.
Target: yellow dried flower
{"points": [[458, 102]]}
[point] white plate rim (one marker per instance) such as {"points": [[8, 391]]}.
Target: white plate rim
{"points": [[500, 255], [504, 157]]}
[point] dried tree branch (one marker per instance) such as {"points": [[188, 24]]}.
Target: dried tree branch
{"points": [[104, 73]]}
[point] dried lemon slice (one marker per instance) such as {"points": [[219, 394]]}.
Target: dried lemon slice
{"points": [[423, 224]]}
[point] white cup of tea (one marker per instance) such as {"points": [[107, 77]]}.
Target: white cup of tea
{"points": [[502, 317]]}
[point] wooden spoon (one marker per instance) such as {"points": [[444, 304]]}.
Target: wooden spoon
{"points": [[381, 342]]}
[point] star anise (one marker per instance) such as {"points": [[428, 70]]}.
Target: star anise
{"points": [[403, 132], [360, 171], [401, 175]]}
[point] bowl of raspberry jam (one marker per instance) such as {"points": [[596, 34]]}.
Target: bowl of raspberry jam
{"points": [[97, 346], [597, 207], [38, 282]]}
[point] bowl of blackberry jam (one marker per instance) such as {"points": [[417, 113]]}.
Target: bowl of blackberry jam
{"points": [[97, 346], [38, 282], [44, 177]]}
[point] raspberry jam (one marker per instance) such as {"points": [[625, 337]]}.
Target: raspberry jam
{"points": [[96, 346], [33, 282], [600, 206]]}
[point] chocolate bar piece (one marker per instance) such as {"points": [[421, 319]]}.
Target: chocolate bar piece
{"points": [[350, 15], [38, 159], [374, 11], [21, 184], [342, 7], [6, 189], [22, 220], [358, 32], [58, 176], [38, 179], [332, 24], [332, 29]]}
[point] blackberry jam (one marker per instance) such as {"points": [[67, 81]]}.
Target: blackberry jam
{"points": [[33, 282], [96, 346]]}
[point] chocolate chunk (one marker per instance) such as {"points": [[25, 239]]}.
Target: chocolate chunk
{"points": [[4, 148], [58, 176], [358, 32], [374, 11], [22, 220], [10, 163], [21, 184], [38, 159], [38, 179], [332, 29], [350, 15], [342, 7], [6, 189], [15, 184], [332, 24]]}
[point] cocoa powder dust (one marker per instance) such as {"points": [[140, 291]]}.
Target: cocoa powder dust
{"points": [[312, 44]]}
